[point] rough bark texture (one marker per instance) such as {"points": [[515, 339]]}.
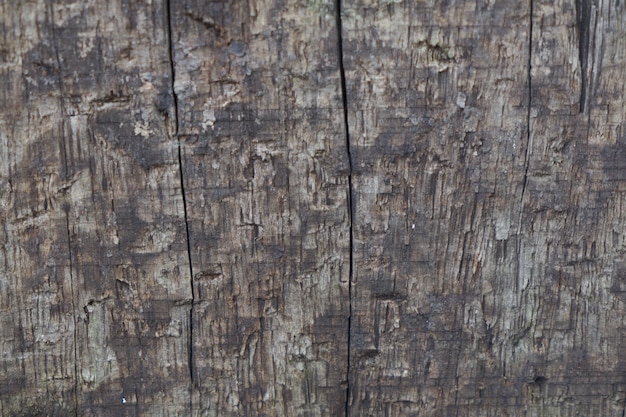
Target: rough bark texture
{"points": [[312, 208]]}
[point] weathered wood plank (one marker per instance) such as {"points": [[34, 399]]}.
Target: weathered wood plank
{"points": [[95, 240], [485, 276], [36, 287], [266, 182], [438, 106], [488, 178], [571, 228]]}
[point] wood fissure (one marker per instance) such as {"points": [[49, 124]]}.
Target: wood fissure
{"points": [[168, 11], [67, 211], [529, 137], [74, 297], [344, 98], [583, 25]]}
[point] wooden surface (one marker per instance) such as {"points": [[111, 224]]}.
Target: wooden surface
{"points": [[266, 183], [95, 285], [311, 208]]}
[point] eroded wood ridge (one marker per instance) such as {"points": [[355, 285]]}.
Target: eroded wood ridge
{"points": [[473, 173]]}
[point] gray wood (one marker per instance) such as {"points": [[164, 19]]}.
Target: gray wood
{"points": [[438, 125], [95, 284], [266, 182], [487, 170], [312, 208]]}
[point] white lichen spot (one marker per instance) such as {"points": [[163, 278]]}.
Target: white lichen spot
{"points": [[209, 118], [174, 328], [86, 44], [460, 100], [502, 227], [142, 129]]}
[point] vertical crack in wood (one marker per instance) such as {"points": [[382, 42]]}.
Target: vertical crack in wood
{"points": [[66, 207], [71, 266], [529, 138], [583, 24], [190, 352], [344, 97]]}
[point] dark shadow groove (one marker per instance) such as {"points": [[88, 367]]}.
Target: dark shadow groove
{"points": [[168, 12], [66, 207], [583, 24], [74, 297], [529, 142], [344, 97]]}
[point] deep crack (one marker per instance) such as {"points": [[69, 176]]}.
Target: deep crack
{"points": [[168, 12], [529, 142], [583, 24], [74, 297], [344, 97]]}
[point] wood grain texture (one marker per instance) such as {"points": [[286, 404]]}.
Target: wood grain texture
{"points": [[96, 273], [438, 104], [191, 228], [572, 221], [487, 237], [266, 183]]}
